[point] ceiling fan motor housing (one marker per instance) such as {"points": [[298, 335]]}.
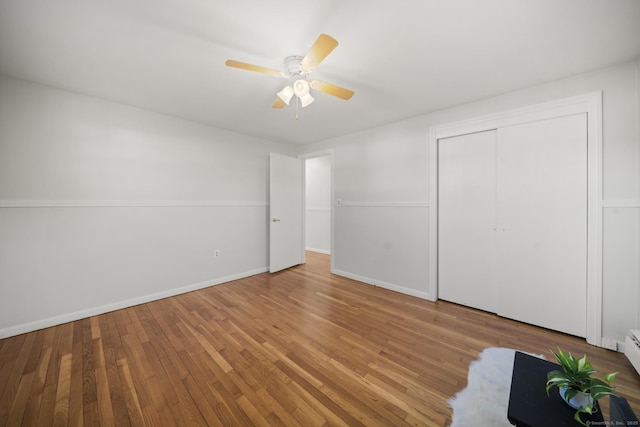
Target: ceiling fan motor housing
{"points": [[292, 66]]}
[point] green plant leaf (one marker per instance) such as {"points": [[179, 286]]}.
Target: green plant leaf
{"points": [[556, 382], [556, 374], [556, 378], [610, 377], [600, 391], [562, 358], [570, 393], [582, 363], [589, 409], [576, 417], [559, 380]]}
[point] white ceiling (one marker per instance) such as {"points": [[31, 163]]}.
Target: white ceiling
{"points": [[402, 58]]}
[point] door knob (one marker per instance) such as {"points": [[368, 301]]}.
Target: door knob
{"points": [[275, 220]]}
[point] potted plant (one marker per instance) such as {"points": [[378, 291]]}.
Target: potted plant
{"points": [[576, 385]]}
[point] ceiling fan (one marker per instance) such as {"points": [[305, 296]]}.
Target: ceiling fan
{"points": [[297, 69]]}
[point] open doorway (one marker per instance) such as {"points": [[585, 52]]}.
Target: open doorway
{"points": [[318, 203]]}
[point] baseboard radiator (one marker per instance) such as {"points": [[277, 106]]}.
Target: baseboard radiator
{"points": [[632, 348]]}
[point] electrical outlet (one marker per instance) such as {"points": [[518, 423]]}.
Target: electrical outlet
{"points": [[216, 254], [339, 202]]}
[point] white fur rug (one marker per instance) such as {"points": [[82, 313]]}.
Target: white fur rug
{"points": [[485, 400]]}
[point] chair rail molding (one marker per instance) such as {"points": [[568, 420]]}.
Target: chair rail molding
{"points": [[125, 203]]}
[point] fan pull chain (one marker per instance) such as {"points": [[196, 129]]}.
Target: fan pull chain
{"points": [[297, 107]]}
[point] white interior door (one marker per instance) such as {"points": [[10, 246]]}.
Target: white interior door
{"points": [[285, 223], [466, 220], [542, 223]]}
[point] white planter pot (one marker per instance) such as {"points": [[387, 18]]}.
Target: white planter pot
{"points": [[580, 400]]}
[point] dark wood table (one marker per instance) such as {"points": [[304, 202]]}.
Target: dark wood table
{"points": [[529, 405]]}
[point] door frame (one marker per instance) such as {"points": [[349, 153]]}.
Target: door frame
{"points": [[590, 103], [324, 153]]}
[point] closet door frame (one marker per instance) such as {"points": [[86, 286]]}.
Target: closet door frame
{"points": [[591, 104]]}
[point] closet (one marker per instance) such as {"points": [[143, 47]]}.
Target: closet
{"points": [[512, 221]]}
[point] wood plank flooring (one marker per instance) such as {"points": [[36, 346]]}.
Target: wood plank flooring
{"points": [[299, 347]]}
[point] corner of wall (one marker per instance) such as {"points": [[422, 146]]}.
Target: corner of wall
{"points": [[638, 178]]}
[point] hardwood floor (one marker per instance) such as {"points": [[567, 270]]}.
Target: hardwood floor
{"points": [[299, 347]]}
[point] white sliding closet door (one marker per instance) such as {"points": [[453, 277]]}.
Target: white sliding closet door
{"points": [[512, 222], [542, 223], [466, 220]]}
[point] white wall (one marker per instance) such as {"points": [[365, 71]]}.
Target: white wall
{"points": [[380, 230], [318, 204], [104, 205], [382, 176]]}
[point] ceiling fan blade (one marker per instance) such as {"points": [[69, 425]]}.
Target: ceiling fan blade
{"points": [[251, 67], [332, 89], [278, 103], [320, 49]]}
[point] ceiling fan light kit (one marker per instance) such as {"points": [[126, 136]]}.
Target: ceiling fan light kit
{"points": [[297, 68], [286, 94], [306, 100]]}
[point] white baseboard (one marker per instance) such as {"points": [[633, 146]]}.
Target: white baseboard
{"points": [[620, 348], [390, 286], [612, 344], [320, 251], [354, 277], [77, 315]]}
